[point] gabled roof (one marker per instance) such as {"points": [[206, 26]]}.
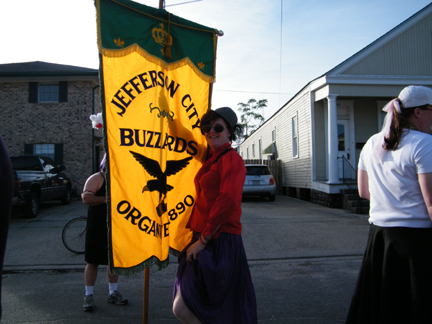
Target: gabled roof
{"points": [[40, 69], [391, 34], [335, 73]]}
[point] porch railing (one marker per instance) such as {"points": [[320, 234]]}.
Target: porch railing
{"points": [[349, 173], [350, 177]]}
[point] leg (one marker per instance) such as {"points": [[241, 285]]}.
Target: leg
{"points": [[90, 274], [182, 312], [111, 278], [114, 296]]}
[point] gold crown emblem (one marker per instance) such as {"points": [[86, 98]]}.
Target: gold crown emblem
{"points": [[161, 36]]}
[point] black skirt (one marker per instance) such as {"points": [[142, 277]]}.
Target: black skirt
{"points": [[395, 280], [96, 243]]}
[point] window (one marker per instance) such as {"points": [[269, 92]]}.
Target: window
{"points": [[25, 164], [247, 153], [53, 151], [48, 92], [341, 137], [44, 150], [257, 170], [253, 150], [274, 135], [381, 114], [294, 124], [259, 149]]}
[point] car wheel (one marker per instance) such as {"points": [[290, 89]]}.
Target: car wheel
{"points": [[31, 209], [66, 199], [272, 197]]}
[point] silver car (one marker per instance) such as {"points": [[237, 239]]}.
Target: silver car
{"points": [[259, 182]]}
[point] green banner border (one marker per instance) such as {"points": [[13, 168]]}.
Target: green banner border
{"points": [[124, 26]]}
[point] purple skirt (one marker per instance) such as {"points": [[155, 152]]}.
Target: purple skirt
{"points": [[218, 286]]}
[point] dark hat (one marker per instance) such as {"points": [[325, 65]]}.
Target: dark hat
{"points": [[228, 114]]}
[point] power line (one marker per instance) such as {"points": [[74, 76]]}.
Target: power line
{"points": [[280, 52]]}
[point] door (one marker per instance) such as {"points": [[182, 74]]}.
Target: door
{"points": [[345, 169]]}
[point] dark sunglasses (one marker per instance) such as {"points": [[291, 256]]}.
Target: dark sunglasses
{"points": [[217, 128]]}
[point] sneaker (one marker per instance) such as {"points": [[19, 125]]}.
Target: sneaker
{"points": [[88, 304], [116, 298]]}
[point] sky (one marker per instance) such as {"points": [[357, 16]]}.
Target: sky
{"points": [[270, 49]]}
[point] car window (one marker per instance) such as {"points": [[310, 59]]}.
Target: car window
{"points": [[23, 163], [257, 170]]}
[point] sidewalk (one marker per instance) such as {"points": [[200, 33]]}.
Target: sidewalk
{"points": [[304, 261]]}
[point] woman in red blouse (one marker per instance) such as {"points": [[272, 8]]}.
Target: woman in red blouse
{"points": [[213, 282]]}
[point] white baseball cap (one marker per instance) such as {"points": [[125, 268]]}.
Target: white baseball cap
{"points": [[415, 96]]}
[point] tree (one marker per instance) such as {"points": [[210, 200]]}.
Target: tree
{"points": [[250, 118]]}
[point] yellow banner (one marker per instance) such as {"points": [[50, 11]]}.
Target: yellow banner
{"points": [[154, 149]]}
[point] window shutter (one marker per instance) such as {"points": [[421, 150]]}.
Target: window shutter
{"points": [[33, 92], [63, 91], [58, 153], [28, 149]]}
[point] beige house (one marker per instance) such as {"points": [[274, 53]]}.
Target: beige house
{"points": [[319, 133], [45, 110]]}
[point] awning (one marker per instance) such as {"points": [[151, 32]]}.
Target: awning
{"points": [[270, 149]]}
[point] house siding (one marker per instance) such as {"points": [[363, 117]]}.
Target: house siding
{"points": [[362, 85], [296, 172], [407, 54], [68, 123]]}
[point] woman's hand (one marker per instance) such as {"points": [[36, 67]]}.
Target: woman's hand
{"points": [[193, 251]]}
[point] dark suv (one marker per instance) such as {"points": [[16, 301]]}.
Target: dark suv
{"points": [[37, 179]]}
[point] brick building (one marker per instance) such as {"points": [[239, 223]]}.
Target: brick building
{"points": [[45, 110]]}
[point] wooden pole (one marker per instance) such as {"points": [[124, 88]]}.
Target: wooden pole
{"points": [[147, 270], [146, 295]]}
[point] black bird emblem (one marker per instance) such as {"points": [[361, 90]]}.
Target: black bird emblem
{"points": [[160, 184]]}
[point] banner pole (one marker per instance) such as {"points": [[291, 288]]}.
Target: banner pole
{"points": [[146, 295]]}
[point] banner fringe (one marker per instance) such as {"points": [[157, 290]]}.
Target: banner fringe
{"points": [[154, 59], [145, 264]]}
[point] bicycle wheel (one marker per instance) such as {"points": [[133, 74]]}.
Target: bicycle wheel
{"points": [[74, 233]]}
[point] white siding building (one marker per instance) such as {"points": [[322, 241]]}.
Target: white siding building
{"points": [[329, 120]]}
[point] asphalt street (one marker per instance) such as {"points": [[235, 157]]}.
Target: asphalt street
{"points": [[304, 260]]}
